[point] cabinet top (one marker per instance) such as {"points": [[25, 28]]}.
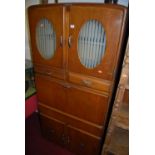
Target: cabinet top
{"points": [[104, 5]]}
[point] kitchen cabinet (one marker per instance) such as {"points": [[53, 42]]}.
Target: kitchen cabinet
{"points": [[76, 51]]}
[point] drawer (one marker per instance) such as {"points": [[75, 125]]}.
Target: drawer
{"points": [[81, 143], [52, 72], [53, 129], [90, 82], [89, 127]]}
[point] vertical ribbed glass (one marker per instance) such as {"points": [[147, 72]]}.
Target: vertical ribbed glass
{"points": [[91, 44], [45, 39]]}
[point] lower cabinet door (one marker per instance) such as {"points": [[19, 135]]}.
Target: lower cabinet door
{"points": [[77, 141], [53, 130], [50, 93], [87, 105], [83, 144]]}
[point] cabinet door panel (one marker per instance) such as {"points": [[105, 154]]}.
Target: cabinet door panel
{"points": [[50, 93], [83, 144], [46, 31], [86, 105], [52, 129], [98, 21]]}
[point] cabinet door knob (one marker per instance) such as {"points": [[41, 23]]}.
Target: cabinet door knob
{"points": [[70, 41]]}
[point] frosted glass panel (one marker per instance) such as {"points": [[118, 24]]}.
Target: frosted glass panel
{"points": [[91, 44], [46, 39]]}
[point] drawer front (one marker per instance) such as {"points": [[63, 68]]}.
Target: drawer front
{"points": [[89, 127], [90, 82], [83, 144], [50, 93], [49, 71], [52, 129], [86, 105]]}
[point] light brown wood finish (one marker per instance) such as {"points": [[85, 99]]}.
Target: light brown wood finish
{"points": [[83, 144], [82, 124], [91, 82], [50, 71], [73, 100], [111, 19], [54, 14], [51, 93], [52, 129], [91, 107], [66, 135]]}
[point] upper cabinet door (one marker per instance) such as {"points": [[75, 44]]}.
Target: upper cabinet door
{"points": [[95, 34], [46, 32]]}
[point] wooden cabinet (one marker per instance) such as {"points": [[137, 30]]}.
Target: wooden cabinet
{"points": [[76, 50], [46, 35], [82, 143], [99, 29]]}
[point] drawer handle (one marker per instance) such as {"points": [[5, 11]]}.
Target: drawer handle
{"points": [[63, 139], [68, 140], [48, 73], [66, 86], [87, 82]]}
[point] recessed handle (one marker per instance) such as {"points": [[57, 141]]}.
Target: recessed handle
{"points": [[70, 41], [87, 82], [66, 85], [48, 73]]}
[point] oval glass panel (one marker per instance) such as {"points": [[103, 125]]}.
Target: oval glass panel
{"points": [[91, 44], [45, 39]]}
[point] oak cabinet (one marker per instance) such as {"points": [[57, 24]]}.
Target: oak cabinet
{"points": [[46, 32], [94, 34], [76, 50]]}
